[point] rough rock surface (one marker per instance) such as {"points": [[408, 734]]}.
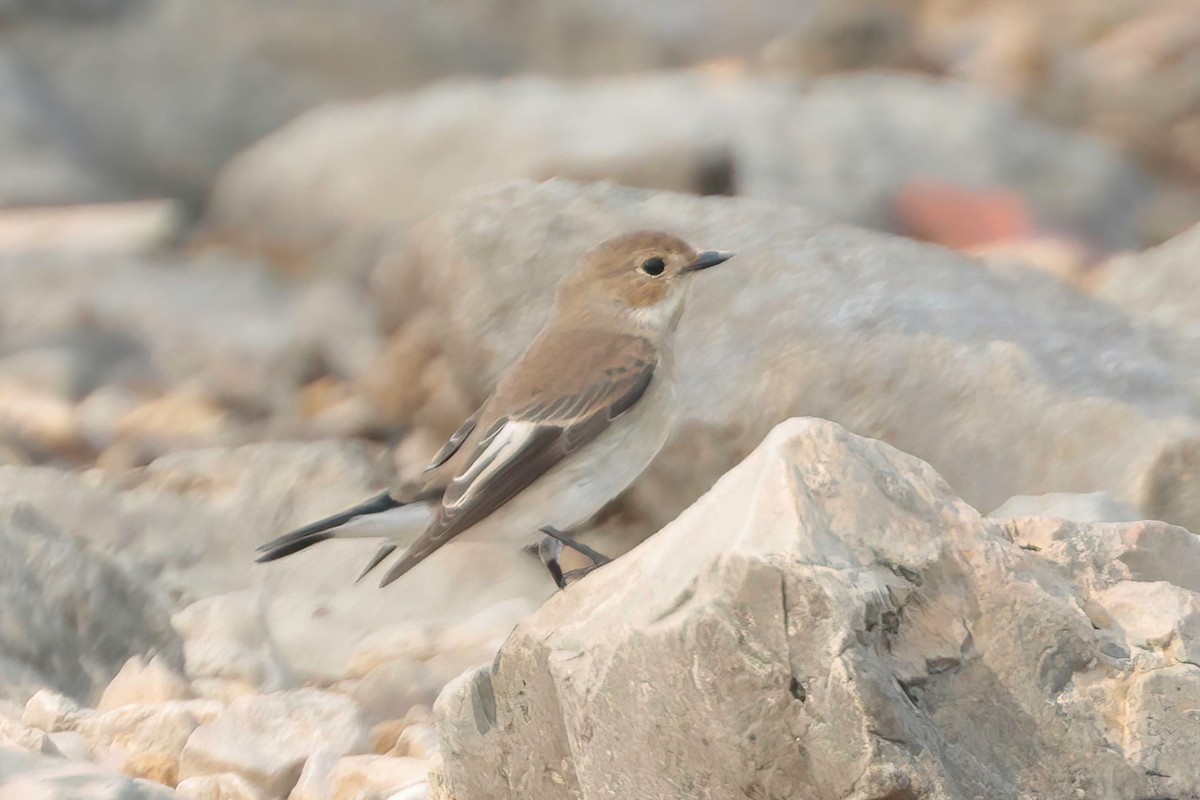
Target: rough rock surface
{"points": [[69, 616], [341, 178], [830, 621], [1005, 381]]}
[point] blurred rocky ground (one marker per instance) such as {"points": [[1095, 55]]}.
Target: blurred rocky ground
{"points": [[257, 259]]}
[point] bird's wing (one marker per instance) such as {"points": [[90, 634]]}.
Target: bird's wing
{"points": [[562, 394]]}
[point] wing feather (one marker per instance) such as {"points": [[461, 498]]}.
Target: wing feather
{"points": [[562, 413]]}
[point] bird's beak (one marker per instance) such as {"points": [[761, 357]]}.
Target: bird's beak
{"points": [[708, 258]]}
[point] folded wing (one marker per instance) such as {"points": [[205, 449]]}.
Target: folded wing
{"points": [[564, 392]]}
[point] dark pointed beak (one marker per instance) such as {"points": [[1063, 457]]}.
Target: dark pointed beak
{"points": [[709, 258]]}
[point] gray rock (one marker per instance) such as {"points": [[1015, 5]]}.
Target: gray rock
{"points": [[166, 93], [69, 616], [338, 183], [41, 165], [225, 325], [34, 777], [188, 525], [829, 621], [854, 141], [1004, 381]]}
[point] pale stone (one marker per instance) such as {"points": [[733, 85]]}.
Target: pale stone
{"points": [[368, 777], [416, 741], [393, 688], [1034, 387], [1156, 615], [224, 786], [227, 637], [1090, 507], [32, 777], [49, 711], [140, 682], [112, 228], [15, 735], [314, 778], [829, 608], [412, 641], [146, 741], [267, 738], [346, 181], [1158, 287]]}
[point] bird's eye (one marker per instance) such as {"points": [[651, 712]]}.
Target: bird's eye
{"points": [[654, 266]]}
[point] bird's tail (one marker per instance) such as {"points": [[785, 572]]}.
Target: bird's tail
{"points": [[380, 517]]}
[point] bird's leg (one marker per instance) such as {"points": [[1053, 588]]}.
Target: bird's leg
{"points": [[549, 550], [597, 558]]}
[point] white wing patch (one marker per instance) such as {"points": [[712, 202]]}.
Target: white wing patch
{"points": [[506, 443]]}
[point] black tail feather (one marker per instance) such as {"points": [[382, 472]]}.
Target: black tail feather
{"points": [[318, 531], [385, 550], [293, 546]]}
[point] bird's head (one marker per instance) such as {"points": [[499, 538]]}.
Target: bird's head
{"points": [[639, 278]]}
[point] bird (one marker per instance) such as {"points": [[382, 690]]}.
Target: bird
{"points": [[571, 424]]}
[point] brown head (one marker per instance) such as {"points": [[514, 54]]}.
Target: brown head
{"points": [[639, 277]]}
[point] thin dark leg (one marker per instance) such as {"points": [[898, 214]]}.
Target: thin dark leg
{"points": [[549, 550], [598, 558]]}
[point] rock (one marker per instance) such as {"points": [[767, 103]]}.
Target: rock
{"points": [[1159, 286], [1100, 556], [212, 81], [39, 422], [146, 741], [832, 610], [227, 637], [50, 711], [140, 682], [1156, 615], [341, 185], [138, 227], [267, 738], [72, 617], [1090, 507], [189, 523], [33, 777], [43, 166], [417, 741], [71, 745], [363, 777], [847, 37], [14, 735], [224, 327], [225, 786], [882, 335], [394, 687], [417, 791], [412, 641], [314, 778]]}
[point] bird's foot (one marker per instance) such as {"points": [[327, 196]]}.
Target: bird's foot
{"points": [[597, 558], [550, 551]]}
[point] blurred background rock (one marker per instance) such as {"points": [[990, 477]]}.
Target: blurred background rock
{"points": [[258, 257]]}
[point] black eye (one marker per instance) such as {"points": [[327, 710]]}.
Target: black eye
{"points": [[654, 266]]}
